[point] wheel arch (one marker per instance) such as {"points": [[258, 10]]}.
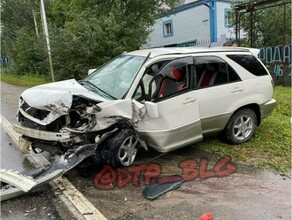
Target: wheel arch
{"points": [[115, 128], [255, 108]]}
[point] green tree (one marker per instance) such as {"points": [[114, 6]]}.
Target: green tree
{"points": [[19, 42], [88, 33], [84, 33], [28, 53]]}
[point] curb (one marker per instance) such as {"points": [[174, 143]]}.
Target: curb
{"points": [[72, 204]]}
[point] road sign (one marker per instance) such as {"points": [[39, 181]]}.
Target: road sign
{"points": [[4, 60]]}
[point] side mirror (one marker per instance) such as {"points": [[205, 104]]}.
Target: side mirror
{"points": [[91, 71], [152, 109]]}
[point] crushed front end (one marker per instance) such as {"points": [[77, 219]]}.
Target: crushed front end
{"points": [[54, 118]]}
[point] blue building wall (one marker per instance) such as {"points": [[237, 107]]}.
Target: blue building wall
{"points": [[197, 23]]}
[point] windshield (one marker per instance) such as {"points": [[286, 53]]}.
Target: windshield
{"points": [[113, 80]]}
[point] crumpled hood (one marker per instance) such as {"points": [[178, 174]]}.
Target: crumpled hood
{"points": [[60, 94], [55, 97]]}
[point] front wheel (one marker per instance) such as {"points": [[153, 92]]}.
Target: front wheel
{"points": [[121, 148], [241, 126]]}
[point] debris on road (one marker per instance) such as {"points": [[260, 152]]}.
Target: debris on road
{"points": [[207, 216], [31, 210], [16, 184], [163, 185], [23, 182]]}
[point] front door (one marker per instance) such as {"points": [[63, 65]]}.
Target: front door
{"points": [[177, 123]]}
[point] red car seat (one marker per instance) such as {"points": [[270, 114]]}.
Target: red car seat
{"points": [[171, 83]]}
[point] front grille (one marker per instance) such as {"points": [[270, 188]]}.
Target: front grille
{"points": [[54, 126], [34, 112], [39, 114]]}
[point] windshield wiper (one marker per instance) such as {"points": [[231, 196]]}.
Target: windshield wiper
{"points": [[95, 87]]}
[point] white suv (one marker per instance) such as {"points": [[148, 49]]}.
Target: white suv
{"points": [[165, 98]]}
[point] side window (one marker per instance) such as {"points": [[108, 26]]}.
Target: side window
{"points": [[139, 93], [250, 63], [172, 79], [142, 91], [212, 71], [175, 81], [164, 79], [233, 77]]}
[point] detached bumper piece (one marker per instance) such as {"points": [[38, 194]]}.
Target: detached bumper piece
{"points": [[14, 184], [162, 185], [43, 135]]}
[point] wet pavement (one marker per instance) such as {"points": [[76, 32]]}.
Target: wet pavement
{"points": [[244, 194], [37, 205], [9, 104], [9, 100], [11, 157], [225, 188]]}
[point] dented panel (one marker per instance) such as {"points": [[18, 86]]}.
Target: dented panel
{"points": [[71, 86], [117, 108], [57, 98], [43, 135]]}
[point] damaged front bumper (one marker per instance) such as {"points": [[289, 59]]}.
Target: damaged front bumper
{"points": [[14, 184], [62, 137]]}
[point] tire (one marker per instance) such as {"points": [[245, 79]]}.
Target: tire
{"points": [[121, 148], [241, 126]]}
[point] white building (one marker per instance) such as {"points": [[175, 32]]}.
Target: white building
{"points": [[197, 23]]}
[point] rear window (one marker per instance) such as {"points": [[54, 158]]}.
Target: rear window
{"points": [[250, 63]]}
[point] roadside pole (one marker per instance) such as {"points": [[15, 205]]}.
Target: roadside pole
{"points": [[46, 33]]}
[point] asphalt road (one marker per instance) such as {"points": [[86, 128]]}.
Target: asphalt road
{"points": [[225, 188], [37, 205], [245, 194], [11, 157]]}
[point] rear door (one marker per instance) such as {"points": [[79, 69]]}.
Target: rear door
{"points": [[219, 97]]}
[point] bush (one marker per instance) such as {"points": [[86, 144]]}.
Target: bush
{"points": [[29, 54]]}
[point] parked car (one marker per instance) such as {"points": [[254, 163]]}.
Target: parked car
{"points": [[164, 98]]}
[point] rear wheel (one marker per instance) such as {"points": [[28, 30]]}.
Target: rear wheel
{"points": [[121, 148], [241, 126]]}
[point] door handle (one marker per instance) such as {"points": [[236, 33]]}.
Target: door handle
{"points": [[236, 89], [189, 100]]}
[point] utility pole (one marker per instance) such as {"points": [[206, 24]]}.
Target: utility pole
{"points": [[46, 33], [210, 21], [35, 24]]}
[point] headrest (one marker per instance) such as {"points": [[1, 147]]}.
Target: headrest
{"points": [[175, 74], [222, 68], [211, 67], [155, 68]]}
